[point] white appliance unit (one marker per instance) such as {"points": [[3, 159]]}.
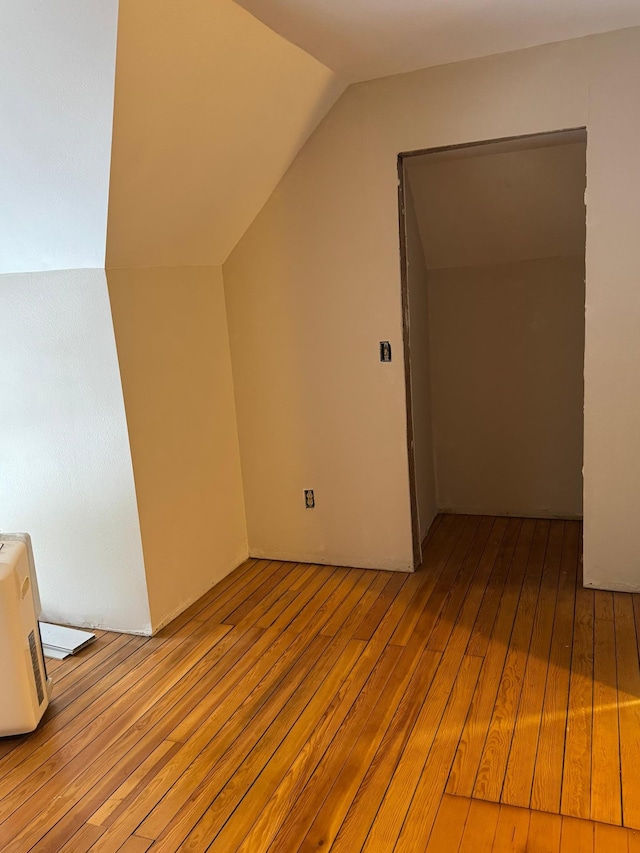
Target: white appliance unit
{"points": [[26, 690]]}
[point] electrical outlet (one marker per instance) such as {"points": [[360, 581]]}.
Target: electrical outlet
{"points": [[385, 351], [309, 499]]}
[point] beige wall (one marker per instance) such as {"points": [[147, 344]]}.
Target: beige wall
{"points": [[314, 285], [419, 345], [497, 205], [507, 349], [173, 349], [507, 338], [315, 405], [211, 106], [612, 352]]}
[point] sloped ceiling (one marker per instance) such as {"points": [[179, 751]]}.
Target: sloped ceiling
{"points": [[211, 107], [363, 39], [56, 102], [481, 205]]}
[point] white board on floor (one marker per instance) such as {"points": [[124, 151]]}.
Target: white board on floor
{"points": [[69, 640]]}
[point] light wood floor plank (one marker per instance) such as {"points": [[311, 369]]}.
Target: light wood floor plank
{"points": [[493, 762], [483, 627], [79, 772], [223, 727], [253, 784], [365, 605], [577, 835], [374, 617], [437, 555], [389, 821], [629, 708], [50, 758], [350, 588], [143, 775], [449, 826], [359, 758], [296, 708], [135, 845], [102, 659], [480, 828], [324, 581], [610, 839], [224, 605], [332, 726], [209, 752], [111, 767], [296, 800], [518, 778], [465, 768], [512, 830], [274, 585], [346, 605], [98, 702], [606, 796], [364, 807], [83, 839], [208, 807], [78, 696], [576, 777], [547, 778], [475, 570], [544, 833]]}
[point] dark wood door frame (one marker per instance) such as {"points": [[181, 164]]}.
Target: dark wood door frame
{"points": [[404, 286]]}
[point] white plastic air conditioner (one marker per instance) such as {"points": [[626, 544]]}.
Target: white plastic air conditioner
{"points": [[25, 689]]}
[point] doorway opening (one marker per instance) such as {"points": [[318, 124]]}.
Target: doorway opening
{"points": [[493, 285]]}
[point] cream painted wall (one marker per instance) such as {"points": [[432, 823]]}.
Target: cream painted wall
{"points": [[507, 354], [57, 67], [612, 356], [506, 339], [65, 470], [316, 408], [314, 285], [501, 206], [211, 107], [419, 346], [173, 348]]}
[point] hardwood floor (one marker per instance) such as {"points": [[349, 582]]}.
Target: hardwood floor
{"points": [[487, 702]]}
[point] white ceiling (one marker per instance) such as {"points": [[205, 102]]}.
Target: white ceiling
{"points": [[498, 207], [363, 39]]}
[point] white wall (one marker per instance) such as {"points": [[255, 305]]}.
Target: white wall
{"points": [[65, 465], [57, 65], [173, 349], [314, 285], [419, 346]]}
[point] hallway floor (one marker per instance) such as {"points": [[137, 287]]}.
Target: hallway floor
{"points": [[486, 702]]}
